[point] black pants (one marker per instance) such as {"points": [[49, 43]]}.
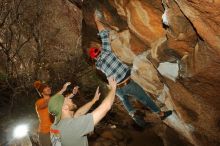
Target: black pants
{"points": [[44, 139]]}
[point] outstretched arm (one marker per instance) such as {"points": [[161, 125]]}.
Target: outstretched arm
{"points": [[85, 108], [97, 18], [64, 88], [103, 32], [106, 104]]}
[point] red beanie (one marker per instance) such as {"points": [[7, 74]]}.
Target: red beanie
{"points": [[40, 86], [94, 52]]}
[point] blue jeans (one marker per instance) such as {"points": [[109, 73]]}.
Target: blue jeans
{"points": [[134, 90]]}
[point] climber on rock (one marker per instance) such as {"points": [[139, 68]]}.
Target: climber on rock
{"points": [[110, 65]]}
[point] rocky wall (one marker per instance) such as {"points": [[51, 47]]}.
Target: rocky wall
{"points": [[182, 33]]}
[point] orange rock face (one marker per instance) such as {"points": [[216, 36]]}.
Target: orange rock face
{"points": [[189, 36], [144, 20]]}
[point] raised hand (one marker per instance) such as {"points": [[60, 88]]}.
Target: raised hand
{"points": [[97, 15], [66, 85], [97, 95], [75, 89], [112, 84]]}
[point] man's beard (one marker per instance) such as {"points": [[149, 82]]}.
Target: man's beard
{"points": [[73, 108]]}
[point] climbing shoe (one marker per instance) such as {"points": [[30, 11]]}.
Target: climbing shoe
{"points": [[166, 114]]}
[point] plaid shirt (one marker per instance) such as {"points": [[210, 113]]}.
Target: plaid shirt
{"points": [[107, 62]]}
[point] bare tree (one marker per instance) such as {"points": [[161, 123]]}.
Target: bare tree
{"points": [[17, 31]]}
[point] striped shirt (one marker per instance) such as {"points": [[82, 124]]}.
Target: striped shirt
{"points": [[107, 61]]}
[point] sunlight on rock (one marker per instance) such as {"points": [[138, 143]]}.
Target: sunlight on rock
{"points": [[169, 70]]}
